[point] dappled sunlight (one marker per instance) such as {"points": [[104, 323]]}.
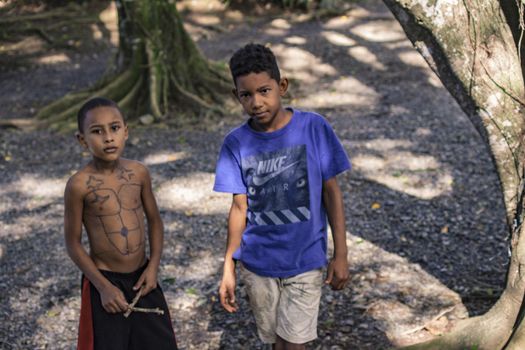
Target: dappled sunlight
{"points": [[276, 31], [295, 40], [412, 57], [389, 164], [164, 157], [110, 19], [235, 16], [201, 6], [365, 56], [96, 32], [30, 45], [338, 38], [193, 194], [301, 64], [340, 22], [54, 59], [409, 304], [206, 20], [25, 225], [346, 91], [382, 31], [434, 81], [33, 194], [36, 187], [281, 23]]}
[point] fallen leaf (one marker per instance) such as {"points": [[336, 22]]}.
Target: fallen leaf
{"points": [[52, 313]]}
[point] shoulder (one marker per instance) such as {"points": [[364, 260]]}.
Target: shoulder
{"points": [[236, 132], [233, 138], [133, 164], [138, 168], [76, 184], [312, 123], [311, 118]]}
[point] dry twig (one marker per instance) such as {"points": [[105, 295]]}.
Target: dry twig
{"points": [[133, 308], [134, 302], [147, 310]]}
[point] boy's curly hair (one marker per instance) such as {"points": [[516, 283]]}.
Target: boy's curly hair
{"points": [[254, 58], [92, 104]]}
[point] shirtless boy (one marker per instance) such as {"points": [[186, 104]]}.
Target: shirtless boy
{"points": [[111, 196]]}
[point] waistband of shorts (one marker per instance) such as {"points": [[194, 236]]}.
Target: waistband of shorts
{"points": [[125, 275]]}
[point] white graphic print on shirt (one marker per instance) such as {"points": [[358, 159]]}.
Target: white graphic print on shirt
{"points": [[277, 183]]}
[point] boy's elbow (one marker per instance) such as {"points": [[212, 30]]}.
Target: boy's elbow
{"points": [[240, 203], [73, 245]]}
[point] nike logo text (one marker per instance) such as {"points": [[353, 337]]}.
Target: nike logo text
{"points": [[276, 167]]}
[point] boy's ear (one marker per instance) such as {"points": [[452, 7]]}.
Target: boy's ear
{"points": [[283, 86], [126, 130], [234, 92], [81, 140]]}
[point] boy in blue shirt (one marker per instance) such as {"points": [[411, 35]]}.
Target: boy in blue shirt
{"points": [[281, 168]]}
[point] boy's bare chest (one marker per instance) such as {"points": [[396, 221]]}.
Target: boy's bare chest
{"points": [[110, 195]]}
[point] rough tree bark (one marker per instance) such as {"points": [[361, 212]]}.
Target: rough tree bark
{"points": [[472, 46], [159, 70]]}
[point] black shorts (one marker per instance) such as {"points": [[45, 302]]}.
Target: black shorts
{"points": [[100, 330]]}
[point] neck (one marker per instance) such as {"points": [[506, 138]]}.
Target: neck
{"points": [[281, 120], [105, 167]]}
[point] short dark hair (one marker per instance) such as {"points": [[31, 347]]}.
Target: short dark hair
{"points": [[92, 104], [254, 58]]}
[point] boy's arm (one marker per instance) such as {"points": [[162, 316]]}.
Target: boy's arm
{"points": [[338, 274], [236, 226], [113, 299], [148, 279]]}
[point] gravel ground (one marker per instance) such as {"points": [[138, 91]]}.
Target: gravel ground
{"points": [[426, 222]]}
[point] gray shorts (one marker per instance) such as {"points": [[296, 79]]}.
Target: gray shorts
{"points": [[287, 307]]}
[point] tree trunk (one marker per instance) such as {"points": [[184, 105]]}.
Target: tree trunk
{"points": [[159, 70], [472, 46]]}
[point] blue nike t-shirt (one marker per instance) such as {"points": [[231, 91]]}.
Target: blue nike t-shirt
{"points": [[282, 174]]}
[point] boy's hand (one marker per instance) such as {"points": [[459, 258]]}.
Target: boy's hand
{"points": [[113, 300], [148, 279], [337, 274], [227, 291]]}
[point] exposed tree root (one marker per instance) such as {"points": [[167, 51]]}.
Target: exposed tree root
{"points": [[16, 23], [162, 72], [70, 11]]}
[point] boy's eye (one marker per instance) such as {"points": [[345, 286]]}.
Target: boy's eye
{"points": [[115, 127], [96, 131], [265, 91]]}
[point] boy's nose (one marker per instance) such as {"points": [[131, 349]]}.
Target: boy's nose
{"points": [[256, 102]]}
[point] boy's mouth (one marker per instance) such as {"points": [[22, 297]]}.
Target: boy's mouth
{"points": [[110, 149], [259, 114]]}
